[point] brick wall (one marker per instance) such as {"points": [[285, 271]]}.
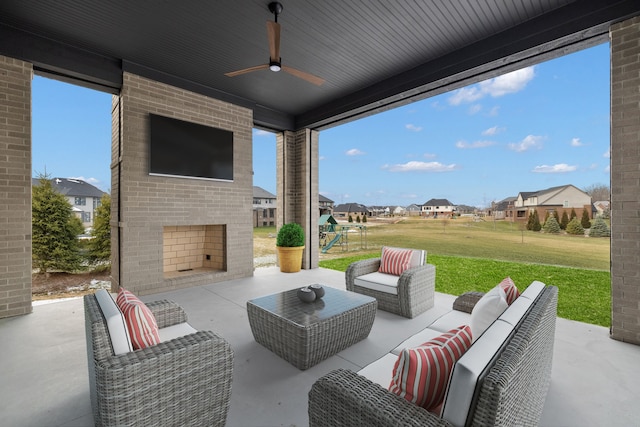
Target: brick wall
{"points": [[146, 204], [625, 180], [15, 187]]}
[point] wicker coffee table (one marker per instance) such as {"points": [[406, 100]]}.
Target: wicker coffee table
{"points": [[305, 334]]}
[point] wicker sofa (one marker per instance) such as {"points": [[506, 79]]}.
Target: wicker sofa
{"points": [[502, 380], [184, 380], [409, 294]]}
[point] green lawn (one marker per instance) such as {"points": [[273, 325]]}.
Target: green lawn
{"points": [[476, 256]]}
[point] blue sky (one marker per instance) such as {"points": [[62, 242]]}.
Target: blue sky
{"points": [[535, 128]]}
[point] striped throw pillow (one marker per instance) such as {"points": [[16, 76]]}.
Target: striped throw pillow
{"points": [[141, 323], [421, 374], [395, 261], [510, 290]]}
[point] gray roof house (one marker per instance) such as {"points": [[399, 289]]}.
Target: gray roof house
{"points": [[83, 197], [264, 207]]}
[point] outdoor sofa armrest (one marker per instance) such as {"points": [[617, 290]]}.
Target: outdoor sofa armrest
{"points": [[467, 301], [344, 398], [417, 282], [360, 268], [167, 313], [200, 365]]}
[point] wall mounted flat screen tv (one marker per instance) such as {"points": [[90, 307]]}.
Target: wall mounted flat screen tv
{"points": [[191, 150]]}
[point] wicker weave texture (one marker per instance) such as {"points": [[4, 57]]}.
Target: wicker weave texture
{"points": [[185, 381], [467, 301], [305, 345], [416, 288], [512, 394]]}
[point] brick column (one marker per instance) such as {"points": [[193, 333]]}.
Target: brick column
{"points": [[297, 187], [15, 187], [625, 181]]}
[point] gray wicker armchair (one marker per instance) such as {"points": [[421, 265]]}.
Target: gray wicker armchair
{"points": [[415, 287], [184, 381]]}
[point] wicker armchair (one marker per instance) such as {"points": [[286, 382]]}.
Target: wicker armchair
{"points": [[415, 290], [184, 381]]}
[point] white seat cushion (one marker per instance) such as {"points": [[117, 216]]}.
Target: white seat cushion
{"points": [[380, 371], [376, 281], [116, 324], [175, 331], [416, 340], [469, 371], [516, 311], [451, 320]]}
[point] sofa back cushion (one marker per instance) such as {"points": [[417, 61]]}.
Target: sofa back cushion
{"points": [[396, 260], [116, 324], [468, 372], [486, 311]]}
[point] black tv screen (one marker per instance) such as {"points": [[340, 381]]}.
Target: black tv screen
{"points": [[186, 149]]}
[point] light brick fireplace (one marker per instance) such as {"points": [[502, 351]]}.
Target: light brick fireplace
{"points": [[192, 249]]}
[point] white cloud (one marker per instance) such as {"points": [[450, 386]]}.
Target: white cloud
{"points": [[575, 142], [259, 132], [321, 158], [558, 168], [508, 83], [607, 154], [429, 156], [493, 131], [354, 152], [528, 143], [475, 109], [92, 181], [415, 166], [475, 144], [413, 127], [494, 111]]}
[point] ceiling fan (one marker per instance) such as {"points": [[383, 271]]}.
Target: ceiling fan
{"points": [[275, 62]]}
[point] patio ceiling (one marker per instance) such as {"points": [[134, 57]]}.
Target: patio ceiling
{"points": [[374, 55]]}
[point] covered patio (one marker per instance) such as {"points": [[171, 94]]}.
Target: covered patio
{"points": [[595, 380]]}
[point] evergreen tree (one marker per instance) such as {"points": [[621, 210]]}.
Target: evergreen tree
{"points": [[358, 219], [546, 217], [564, 221], [350, 218], [100, 244], [555, 215], [586, 222], [573, 214], [600, 228], [55, 230], [536, 222], [574, 227], [530, 221], [551, 226], [364, 218]]}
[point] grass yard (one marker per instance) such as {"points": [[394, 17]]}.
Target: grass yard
{"points": [[477, 255]]}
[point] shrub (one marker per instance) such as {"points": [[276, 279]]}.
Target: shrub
{"points": [[573, 214], [564, 221], [536, 222], [551, 226], [586, 222], [600, 228], [574, 227], [290, 235]]}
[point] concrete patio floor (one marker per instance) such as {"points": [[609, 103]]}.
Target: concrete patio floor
{"points": [[43, 367]]}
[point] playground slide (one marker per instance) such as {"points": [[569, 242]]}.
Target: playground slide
{"points": [[331, 243]]}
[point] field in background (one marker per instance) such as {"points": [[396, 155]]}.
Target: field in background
{"points": [[476, 255]]}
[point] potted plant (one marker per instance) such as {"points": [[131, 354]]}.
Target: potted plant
{"points": [[290, 245]]}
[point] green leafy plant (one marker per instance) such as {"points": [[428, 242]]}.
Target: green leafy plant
{"points": [[551, 225], [585, 221], [574, 227], [600, 228], [290, 235]]}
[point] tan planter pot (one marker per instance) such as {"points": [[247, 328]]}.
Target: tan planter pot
{"points": [[290, 259]]}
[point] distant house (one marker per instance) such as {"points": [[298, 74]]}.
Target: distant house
{"points": [[325, 204], [354, 209], [264, 208], [561, 199], [438, 208], [83, 197], [503, 209], [413, 210], [602, 208], [397, 210]]}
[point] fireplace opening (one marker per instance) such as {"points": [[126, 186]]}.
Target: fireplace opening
{"points": [[193, 249]]}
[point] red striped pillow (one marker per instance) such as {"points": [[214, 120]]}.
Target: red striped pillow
{"points": [[510, 289], [421, 374], [395, 261], [142, 325]]}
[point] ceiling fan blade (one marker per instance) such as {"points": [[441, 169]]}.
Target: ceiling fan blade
{"points": [[247, 70], [273, 33], [303, 75]]}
